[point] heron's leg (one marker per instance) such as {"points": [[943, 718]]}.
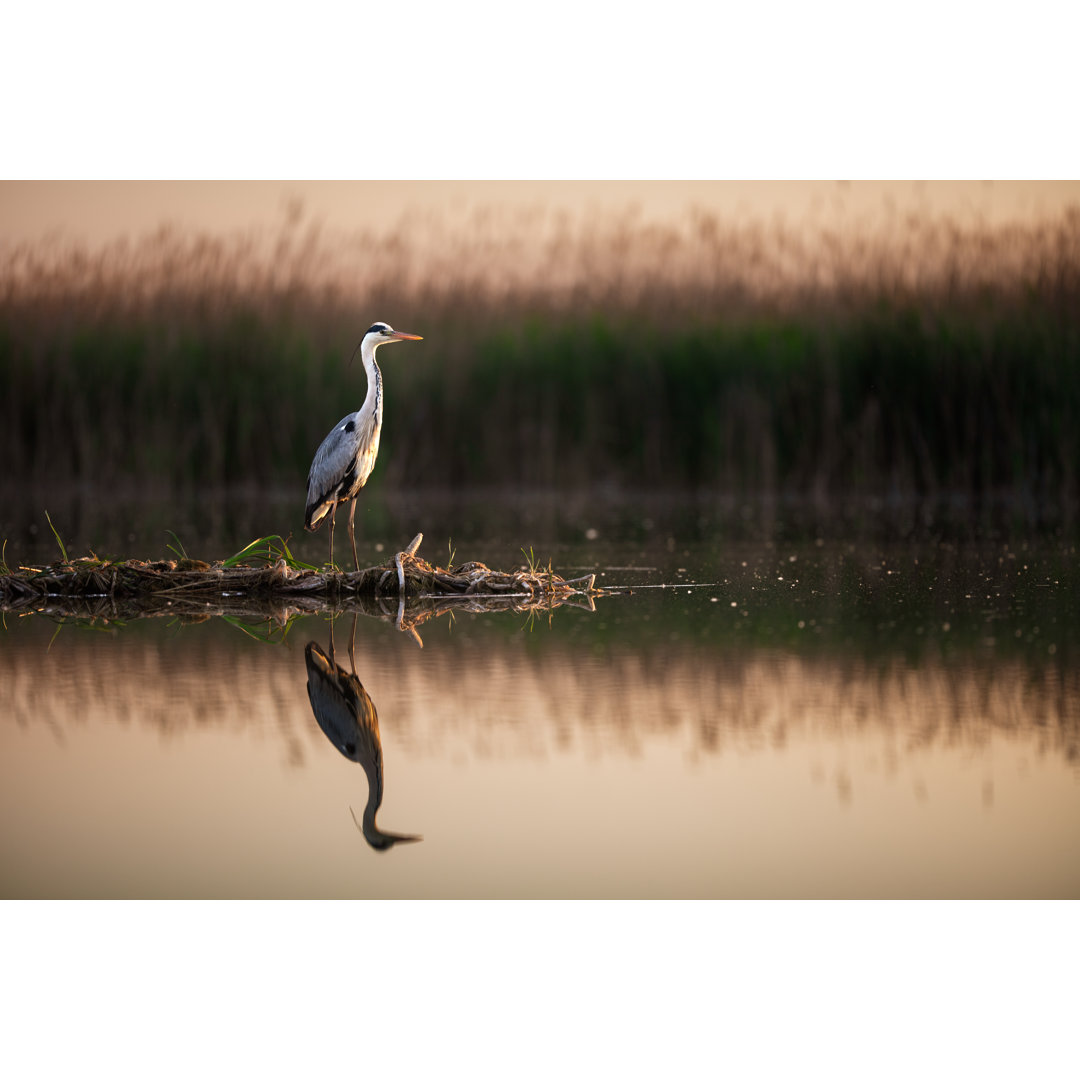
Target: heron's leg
{"points": [[333, 515], [352, 534], [352, 643]]}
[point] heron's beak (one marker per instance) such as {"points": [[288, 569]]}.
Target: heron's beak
{"points": [[384, 841], [401, 336]]}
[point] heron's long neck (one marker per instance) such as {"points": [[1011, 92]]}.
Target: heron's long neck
{"points": [[373, 400], [373, 769]]}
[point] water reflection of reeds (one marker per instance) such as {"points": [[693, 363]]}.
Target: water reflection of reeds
{"points": [[557, 701], [917, 356]]}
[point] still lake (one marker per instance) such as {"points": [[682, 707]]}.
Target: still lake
{"points": [[777, 709]]}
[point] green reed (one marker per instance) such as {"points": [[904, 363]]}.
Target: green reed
{"points": [[266, 550], [930, 359]]}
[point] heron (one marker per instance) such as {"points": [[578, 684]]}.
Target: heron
{"points": [[348, 719], [347, 455]]}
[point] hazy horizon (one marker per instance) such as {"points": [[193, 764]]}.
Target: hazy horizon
{"points": [[97, 213]]}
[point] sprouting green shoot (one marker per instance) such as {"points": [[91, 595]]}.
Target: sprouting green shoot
{"points": [[63, 550], [179, 549], [268, 549], [4, 568], [251, 551], [530, 558], [452, 551]]}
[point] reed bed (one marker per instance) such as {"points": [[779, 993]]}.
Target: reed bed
{"points": [[265, 574], [919, 356]]}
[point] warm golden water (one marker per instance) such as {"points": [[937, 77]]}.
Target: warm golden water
{"points": [[568, 759]]}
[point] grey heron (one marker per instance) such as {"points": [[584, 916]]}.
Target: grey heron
{"points": [[348, 719], [347, 455]]}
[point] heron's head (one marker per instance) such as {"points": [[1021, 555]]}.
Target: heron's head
{"points": [[381, 333], [376, 838]]}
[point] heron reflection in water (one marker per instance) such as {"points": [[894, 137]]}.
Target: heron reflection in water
{"points": [[348, 719]]}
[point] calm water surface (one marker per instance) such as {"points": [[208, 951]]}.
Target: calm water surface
{"points": [[804, 718]]}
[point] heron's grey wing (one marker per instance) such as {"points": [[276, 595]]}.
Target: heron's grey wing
{"points": [[333, 461], [343, 710], [330, 705]]}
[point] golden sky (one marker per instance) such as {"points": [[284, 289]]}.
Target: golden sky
{"points": [[97, 212]]}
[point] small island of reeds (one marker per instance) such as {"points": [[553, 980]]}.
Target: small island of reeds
{"points": [[264, 577]]}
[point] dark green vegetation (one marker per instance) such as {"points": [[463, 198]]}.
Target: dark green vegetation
{"points": [[929, 360]]}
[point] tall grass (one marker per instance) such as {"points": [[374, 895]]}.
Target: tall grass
{"points": [[919, 357]]}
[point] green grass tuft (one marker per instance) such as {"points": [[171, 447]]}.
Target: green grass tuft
{"points": [[60, 543], [177, 548], [267, 549]]}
